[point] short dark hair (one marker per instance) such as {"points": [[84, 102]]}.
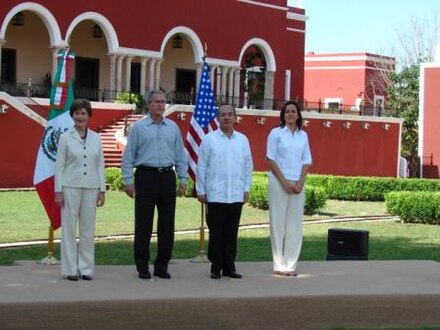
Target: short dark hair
{"points": [[234, 112], [283, 114], [79, 104], [151, 94]]}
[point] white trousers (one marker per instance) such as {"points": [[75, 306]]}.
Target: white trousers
{"points": [[286, 212], [79, 209]]}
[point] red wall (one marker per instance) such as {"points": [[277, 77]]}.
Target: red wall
{"points": [[430, 151], [20, 140], [335, 150]]}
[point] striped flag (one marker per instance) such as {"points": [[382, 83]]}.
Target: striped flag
{"points": [[203, 120], [58, 122]]}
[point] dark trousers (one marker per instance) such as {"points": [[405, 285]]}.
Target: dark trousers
{"points": [[154, 189], [223, 220]]}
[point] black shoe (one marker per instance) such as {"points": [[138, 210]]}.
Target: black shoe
{"points": [[215, 275], [145, 275], [86, 277], [72, 277], [164, 275], [232, 274]]}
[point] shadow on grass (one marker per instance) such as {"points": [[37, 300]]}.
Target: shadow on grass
{"points": [[249, 249]]}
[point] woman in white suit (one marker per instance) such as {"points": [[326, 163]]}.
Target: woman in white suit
{"points": [[288, 156], [79, 189]]}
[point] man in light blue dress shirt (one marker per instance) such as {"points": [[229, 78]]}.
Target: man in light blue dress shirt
{"points": [[155, 149], [223, 181]]}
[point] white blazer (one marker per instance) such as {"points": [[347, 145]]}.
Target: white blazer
{"points": [[79, 164]]}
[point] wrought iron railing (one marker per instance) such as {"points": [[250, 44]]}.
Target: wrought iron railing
{"points": [[176, 97]]}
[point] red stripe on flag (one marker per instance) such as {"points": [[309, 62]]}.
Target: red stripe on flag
{"points": [[45, 190]]}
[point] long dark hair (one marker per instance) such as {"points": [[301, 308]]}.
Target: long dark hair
{"points": [[283, 114]]}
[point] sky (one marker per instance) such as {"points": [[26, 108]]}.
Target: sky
{"points": [[339, 26]]}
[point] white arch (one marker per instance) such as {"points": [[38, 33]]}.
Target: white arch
{"points": [[103, 22], [192, 37], [266, 50], [44, 14]]}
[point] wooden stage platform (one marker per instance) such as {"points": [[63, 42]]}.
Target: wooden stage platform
{"points": [[325, 295]]}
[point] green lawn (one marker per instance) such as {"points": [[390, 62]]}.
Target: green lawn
{"points": [[388, 241], [22, 216]]}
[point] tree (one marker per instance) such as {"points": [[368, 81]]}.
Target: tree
{"points": [[416, 44], [403, 95]]}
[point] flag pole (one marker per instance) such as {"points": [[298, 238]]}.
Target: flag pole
{"points": [[201, 258], [50, 259]]}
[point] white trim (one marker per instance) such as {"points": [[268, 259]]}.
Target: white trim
{"points": [[304, 113], [363, 57], [192, 37], [296, 17], [295, 30], [221, 62], [257, 3], [105, 25], [23, 108], [363, 67], [265, 48], [44, 14], [137, 53]]}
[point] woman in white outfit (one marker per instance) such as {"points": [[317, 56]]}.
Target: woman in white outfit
{"points": [[288, 156], [79, 189]]}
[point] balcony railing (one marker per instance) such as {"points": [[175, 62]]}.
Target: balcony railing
{"points": [[176, 97]]}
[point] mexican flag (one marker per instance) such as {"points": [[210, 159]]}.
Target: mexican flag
{"points": [[59, 121]]}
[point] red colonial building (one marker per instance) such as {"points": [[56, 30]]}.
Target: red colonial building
{"points": [[255, 49], [356, 80], [429, 118]]}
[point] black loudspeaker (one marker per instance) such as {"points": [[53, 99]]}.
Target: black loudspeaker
{"points": [[347, 244]]}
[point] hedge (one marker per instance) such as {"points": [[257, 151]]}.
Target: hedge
{"points": [[315, 197], [368, 188], [414, 207]]}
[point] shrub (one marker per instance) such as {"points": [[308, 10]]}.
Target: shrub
{"points": [[314, 200], [315, 197], [114, 178], [368, 188], [414, 207], [131, 98]]}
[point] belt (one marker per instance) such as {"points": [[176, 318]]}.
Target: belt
{"points": [[155, 169]]}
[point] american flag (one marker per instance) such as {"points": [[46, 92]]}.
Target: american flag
{"points": [[203, 120]]}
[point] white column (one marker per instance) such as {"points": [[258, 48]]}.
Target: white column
{"points": [[237, 86], [268, 89], [287, 85], [231, 85], [151, 80], [112, 76], [212, 75], [218, 83], [224, 82], [157, 77], [128, 73], [119, 73], [199, 68], [55, 51], [143, 75]]}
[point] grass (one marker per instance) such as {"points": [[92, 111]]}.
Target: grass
{"points": [[388, 241], [23, 218]]}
